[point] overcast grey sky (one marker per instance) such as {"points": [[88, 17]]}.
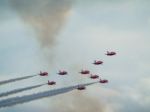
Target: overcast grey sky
{"points": [[79, 32]]}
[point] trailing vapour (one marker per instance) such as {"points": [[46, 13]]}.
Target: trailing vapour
{"points": [[19, 90], [16, 79], [28, 98], [46, 16]]}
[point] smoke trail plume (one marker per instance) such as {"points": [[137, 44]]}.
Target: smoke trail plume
{"points": [[28, 98], [46, 16], [16, 79], [19, 90]]}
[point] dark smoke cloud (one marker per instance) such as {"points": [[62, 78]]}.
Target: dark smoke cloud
{"points": [[19, 90], [28, 98], [16, 79], [46, 16]]}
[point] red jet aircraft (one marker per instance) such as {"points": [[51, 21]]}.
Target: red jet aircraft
{"points": [[62, 72], [103, 81], [51, 82], [98, 62], [81, 87], [43, 73], [85, 72], [94, 76], [110, 53]]}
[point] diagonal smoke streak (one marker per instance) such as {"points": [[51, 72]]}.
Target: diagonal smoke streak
{"points": [[16, 79], [20, 90], [28, 98]]}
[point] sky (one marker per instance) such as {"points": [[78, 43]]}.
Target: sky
{"points": [[63, 34]]}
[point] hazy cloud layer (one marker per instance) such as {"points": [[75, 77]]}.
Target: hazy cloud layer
{"points": [[93, 28]]}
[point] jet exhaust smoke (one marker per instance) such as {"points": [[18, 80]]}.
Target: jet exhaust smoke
{"points": [[27, 98], [19, 90], [16, 79], [46, 16]]}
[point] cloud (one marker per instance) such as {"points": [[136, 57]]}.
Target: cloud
{"points": [[91, 30], [47, 17]]}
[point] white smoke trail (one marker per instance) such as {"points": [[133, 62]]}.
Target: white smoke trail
{"points": [[16, 79], [20, 90], [28, 98], [48, 17]]}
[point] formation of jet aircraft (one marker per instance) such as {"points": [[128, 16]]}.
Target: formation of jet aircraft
{"points": [[26, 98], [83, 71]]}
